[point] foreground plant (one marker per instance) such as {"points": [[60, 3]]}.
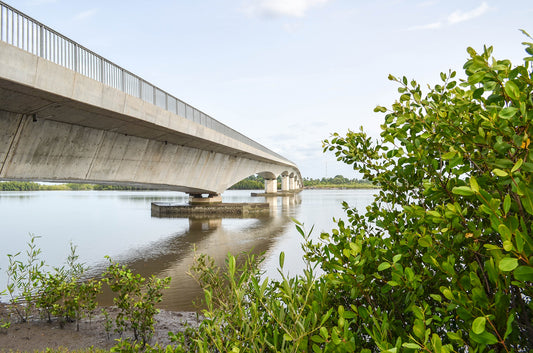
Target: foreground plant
{"points": [[64, 293], [442, 260], [23, 278], [136, 298], [245, 313]]}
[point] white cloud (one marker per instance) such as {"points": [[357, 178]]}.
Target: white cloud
{"points": [[454, 18], [280, 8], [460, 16]]}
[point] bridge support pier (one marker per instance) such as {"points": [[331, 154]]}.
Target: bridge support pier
{"points": [[285, 186], [198, 199], [271, 186], [292, 185]]}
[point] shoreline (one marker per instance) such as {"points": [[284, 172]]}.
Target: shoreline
{"points": [[37, 334]]}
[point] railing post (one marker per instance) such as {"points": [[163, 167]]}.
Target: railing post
{"points": [[41, 40], [101, 70], [75, 57]]}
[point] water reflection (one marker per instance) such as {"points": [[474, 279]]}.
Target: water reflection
{"points": [[216, 237]]}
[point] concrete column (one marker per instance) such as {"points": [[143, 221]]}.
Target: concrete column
{"points": [[196, 199], [271, 186], [285, 183], [291, 183]]}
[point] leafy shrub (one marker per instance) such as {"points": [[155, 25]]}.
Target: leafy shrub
{"points": [[23, 279], [442, 260], [136, 298], [65, 294]]}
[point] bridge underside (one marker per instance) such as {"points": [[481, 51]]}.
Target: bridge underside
{"points": [[58, 125], [46, 150]]}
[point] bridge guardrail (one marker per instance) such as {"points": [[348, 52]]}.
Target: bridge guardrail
{"points": [[30, 35]]}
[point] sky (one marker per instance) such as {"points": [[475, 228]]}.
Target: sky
{"points": [[289, 73]]}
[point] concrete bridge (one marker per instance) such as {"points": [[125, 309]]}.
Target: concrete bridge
{"points": [[69, 115]]}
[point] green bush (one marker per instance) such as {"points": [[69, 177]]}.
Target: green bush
{"points": [[64, 293], [135, 298], [442, 259], [23, 279]]}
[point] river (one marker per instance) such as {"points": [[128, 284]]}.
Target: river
{"points": [[119, 224]]}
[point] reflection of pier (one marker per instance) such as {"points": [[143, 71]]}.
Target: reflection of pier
{"points": [[214, 236], [241, 209]]}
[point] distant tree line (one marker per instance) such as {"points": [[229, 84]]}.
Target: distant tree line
{"points": [[32, 186], [253, 182], [338, 181], [256, 182]]}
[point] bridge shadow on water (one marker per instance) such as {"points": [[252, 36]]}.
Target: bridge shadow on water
{"points": [[215, 236]]}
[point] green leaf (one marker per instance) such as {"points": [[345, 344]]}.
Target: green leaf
{"points": [[425, 242], [506, 204], [508, 264], [523, 273], [463, 190], [396, 258], [509, 326], [383, 266], [499, 172], [504, 231], [527, 200], [281, 259], [484, 338], [449, 155], [512, 90], [478, 326], [411, 345], [508, 245], [474, 185], [517, 165], [507, 113]]}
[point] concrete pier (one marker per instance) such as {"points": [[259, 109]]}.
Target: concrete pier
{"points": [[168, 209]]}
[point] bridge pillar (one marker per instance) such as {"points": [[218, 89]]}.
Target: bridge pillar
{"points": [[292, 185], [271, 186], [198, 199], [285, 183]]}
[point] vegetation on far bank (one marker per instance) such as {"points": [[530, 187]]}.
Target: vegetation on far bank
{"points": [[32, 186]]}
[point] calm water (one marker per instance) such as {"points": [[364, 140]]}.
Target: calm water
{"points": [[119, 224]]}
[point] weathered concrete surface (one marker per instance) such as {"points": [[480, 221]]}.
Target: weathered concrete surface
{"points": [[163, 209], [58, 125], [59, 152]]}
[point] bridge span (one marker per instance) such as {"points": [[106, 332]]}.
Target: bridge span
{"points": [[69, 115]]}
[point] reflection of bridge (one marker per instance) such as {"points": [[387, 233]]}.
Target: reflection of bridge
{"points": [[173, 256], [67, 114]]}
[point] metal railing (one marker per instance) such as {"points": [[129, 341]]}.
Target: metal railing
{"points": [[32, 36]]}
